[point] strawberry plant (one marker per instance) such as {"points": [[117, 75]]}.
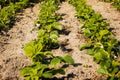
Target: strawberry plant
{"points": [[7, 14], [116, 3], [104, 49], [47, 15], [4, 3], [8, 11], [44, 64]]}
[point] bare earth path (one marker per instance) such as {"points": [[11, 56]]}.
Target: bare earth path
{"points": [[108, 12], [70, 40], [11, 52]]}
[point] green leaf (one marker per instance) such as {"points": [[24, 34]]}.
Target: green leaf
{"points": [[36, 65], [34, 78], [47, 53], [97, 57], [115, 70], [60, 71], [27, 71], [32, 48], [53, 36], [115, 63], [40, 56], [114, 41], [103, 70], [47, 74], [84, 46], [51, 20], [41, 32], [101, 54], [40, 72], [87, 32], [27, 78], [90, 52], [103, 32], [68, 59], [106, 63], [28, 48], [55, 62], [57, 26]]}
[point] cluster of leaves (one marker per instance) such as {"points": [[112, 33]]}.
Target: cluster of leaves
{"points": [[8, 11], [44, 64], [4, 3], [7, 14], [101, 45], [46, 15], [116, 3]]}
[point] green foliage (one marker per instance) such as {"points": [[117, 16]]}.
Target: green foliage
{"points": [[32, 48], [85, 46], [68, 59], [10, 7], [4, 3], [101, 46], [7, 13], [117, 4], [45, 65], [48, 15]]}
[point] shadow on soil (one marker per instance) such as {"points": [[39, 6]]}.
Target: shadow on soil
{"points": [[64, 32], [69, 76], [66, 49]]}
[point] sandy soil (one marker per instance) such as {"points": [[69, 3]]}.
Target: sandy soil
{"points": [[11, 43]]}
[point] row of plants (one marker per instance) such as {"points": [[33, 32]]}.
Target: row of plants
{"points": [[115, 3], [4, 3], [7, 14], [44, 64], [8, 11], [100, 41]]}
